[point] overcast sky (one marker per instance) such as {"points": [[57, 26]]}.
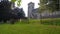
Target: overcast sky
{"points": [[24, 4]]}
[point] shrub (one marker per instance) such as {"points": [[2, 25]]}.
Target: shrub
{"points": [[51, 21]]}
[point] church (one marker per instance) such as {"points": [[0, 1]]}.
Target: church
{"points": [[33, 13]]}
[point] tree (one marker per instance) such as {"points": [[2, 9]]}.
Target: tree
{"points": [[20, 13], [51, 5], [6, 10], [18, 2], [5, 7]]}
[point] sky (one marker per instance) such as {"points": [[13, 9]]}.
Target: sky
{"points": [[24, 5]]}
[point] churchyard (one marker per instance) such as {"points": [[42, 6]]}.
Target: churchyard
{"points": [[32, 26]]}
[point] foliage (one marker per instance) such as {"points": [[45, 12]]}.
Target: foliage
{"points": [[20, 12], [4, 10], [48, 21], [51, 5], [7, 13], [51, 21], [18, 2]]}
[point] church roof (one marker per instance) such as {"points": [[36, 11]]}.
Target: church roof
{"points": [[30, 3], [35, 10]]}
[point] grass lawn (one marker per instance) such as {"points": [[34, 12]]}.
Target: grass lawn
{"points": [[29, 29]]}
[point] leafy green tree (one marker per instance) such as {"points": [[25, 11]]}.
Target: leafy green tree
{"points": [[6, 10], [18, 2], [51, 5]]}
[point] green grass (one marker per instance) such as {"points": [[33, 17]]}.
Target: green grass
{"points": [[49, 21], [29, 29], [32, 26]]}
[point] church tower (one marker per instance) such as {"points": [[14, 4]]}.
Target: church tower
{"points": [[30, 9]]}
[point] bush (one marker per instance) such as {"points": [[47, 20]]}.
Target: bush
{"points": [[34, 21], [51, 21]]}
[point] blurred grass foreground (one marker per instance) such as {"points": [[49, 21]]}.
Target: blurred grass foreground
{"points": [[32, 26], [48, 21]]}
